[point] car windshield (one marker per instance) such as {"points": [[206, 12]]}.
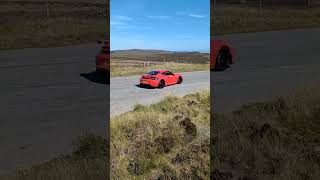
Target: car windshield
{"points": [[153, 72]]}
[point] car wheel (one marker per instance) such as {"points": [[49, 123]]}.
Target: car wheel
{"points": [[222, 61], [180, 80], [161, 84]]}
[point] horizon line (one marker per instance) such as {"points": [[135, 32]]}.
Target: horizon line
{"points": [[208, 50]]}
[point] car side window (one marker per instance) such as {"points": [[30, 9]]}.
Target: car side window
{"points": [[169, 73]]}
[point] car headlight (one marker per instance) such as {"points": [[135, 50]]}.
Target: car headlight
{"points": [[154, 78]]}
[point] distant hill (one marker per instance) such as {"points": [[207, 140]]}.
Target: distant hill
{"points": [[130, 51], [160, 55]]}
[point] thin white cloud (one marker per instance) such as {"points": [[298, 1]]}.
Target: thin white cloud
{"points": [[159, 17], [122, 18], [121, 27], [197, 16], [118, 23]]}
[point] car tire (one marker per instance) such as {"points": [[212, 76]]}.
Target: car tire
{"points": [[180, 80], [161, 84], [222, 61]]}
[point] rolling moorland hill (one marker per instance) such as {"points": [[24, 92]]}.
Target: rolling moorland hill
{"points": [[160, 56]]}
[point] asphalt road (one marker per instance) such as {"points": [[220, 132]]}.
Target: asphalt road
{"points": [[269, 64], [48, 98], [125, 94]]}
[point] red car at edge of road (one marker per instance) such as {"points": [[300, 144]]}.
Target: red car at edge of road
{"points": [[103, 57], [160, 79], [221, 55]]}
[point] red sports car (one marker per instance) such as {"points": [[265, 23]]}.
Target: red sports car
{"points": [[160, 78], [221, 55], [103, 57]]}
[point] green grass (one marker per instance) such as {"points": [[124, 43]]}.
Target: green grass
{"points": [[231, 19], [117, 71]]}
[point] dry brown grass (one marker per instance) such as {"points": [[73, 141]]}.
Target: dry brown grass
{"points": [[269, 140], [234, 19], [167, 140], [87, 162], [161, 56], [137, 62], [140, 67], [25, 24]]}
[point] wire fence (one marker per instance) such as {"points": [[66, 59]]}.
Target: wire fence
{"points": [[143, 64]]}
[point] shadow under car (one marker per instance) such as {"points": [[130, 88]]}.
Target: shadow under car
{"points": [[97, 77]]}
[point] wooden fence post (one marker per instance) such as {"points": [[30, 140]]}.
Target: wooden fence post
{"points": [[48, 16], [260, 4], [48, 11], [309, 3]]}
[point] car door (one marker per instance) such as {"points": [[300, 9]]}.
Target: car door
{"points": [[171, 77], [166, 78]]}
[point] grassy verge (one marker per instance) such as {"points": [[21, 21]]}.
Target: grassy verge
{"points": [[270, 140], [167, 140], [29, 23], [235, 19], [117, 70], [58, 31], [87, 162]]}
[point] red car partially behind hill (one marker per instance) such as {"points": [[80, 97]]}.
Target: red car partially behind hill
{"points": [[103, 57], [221, 55], [160, 79]]}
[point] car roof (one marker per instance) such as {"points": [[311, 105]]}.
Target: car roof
{"points": [[160, 70]]}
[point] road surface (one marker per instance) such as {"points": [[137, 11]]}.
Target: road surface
{"points": [[48, 98], [125, 94], [269, 64]]}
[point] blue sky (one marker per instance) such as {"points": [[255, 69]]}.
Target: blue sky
{"points": [[177, 25]]}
